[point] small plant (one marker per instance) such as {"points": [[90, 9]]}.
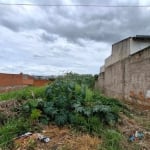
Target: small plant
{"points": [[94, 125], [30, 107], [112, 140], [31, 145], [12, 129], [35, 114]]}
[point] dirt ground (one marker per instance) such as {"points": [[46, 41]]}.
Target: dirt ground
{"points": [[138, 120], [7, 107], [65, 139], [60, 139]]}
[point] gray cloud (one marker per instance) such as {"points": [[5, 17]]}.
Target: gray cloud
{"points": [[102, 24], [48, 40]]}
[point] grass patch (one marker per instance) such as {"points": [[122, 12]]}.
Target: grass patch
{"points": [[12, 129], [25, 93], [143, 121], [111, 140]]}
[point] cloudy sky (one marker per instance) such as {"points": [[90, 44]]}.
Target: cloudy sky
{"points": [[53, 40]]}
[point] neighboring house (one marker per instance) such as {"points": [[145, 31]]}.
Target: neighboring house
{"points": [[16, 81], [126, 73]]}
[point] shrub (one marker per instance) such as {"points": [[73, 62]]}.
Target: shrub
{"points": [[67, 102]]}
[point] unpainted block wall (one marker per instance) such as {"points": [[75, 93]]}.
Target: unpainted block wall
{"points": [[9, 82], [99, 84], [120, 50], [10, 79], [40, 82], [113, 83], [129, 79], [137, 78]]}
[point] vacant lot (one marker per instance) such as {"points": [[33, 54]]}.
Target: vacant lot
{"points": [[73, 116]]}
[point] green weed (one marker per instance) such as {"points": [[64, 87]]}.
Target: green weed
{"points": [[65, 98], [26, 93], [111, 140], [11, 130]]}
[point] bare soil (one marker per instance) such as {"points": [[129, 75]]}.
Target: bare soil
{"points": [[139, 120], [60, 139]]}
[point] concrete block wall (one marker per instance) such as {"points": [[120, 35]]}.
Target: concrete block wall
{"points": [[125, 48], [113, 80], [99, 84], [120, 50], [137, 78], [128, 79], [108, 61]]}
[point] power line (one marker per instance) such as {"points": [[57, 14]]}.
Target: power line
{"points": [[72, 5]]}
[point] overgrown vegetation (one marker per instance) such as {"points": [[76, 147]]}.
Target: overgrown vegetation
{"points": [[12, 129], [70, 103], [25, 93], [85, 79], [69, 100]]}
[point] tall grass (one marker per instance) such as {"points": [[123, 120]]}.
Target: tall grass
{"points": [[25, 93], [11, 130], [111, 140]]}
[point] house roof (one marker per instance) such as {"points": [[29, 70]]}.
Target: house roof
{"points": [[141, 37]]}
